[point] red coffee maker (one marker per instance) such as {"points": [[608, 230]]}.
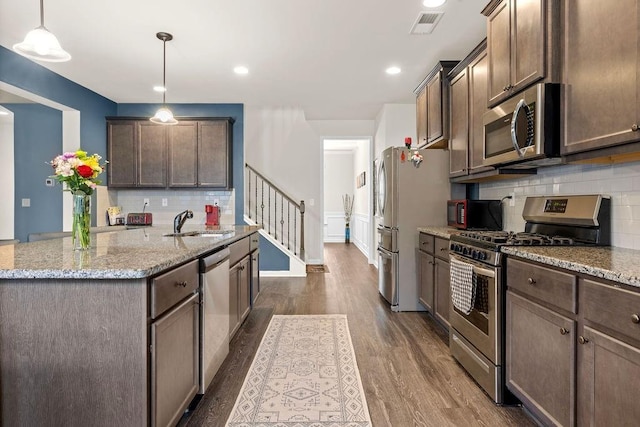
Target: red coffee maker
{"points": [[213, 215]]}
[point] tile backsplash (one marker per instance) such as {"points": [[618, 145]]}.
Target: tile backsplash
{"points": [[177, 201], [619, 181]]}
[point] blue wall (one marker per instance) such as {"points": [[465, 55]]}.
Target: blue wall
{"points": [[37, 139]]}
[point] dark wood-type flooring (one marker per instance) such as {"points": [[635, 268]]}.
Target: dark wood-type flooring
{"points": [[408, 375]]}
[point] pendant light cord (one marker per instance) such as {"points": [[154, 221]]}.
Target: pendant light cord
{"points": [[164, 71], [42, 13]]}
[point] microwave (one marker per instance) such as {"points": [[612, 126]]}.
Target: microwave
{"points": [[469, 214], [524, 131]]}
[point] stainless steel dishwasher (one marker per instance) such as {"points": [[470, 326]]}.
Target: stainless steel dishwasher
{"points": [[214, 315]]}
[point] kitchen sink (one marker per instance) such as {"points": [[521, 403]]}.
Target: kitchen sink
{"points": [[206, 233]]}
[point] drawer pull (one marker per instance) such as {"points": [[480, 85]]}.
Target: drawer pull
{"points": [[183, 284], [564, 331], [635, 318], [582, 340], [531, 281]]}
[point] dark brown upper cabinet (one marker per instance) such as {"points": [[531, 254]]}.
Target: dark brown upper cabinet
{"points": [[522, 36], [601, 80], [194, 153], [432, 107]]}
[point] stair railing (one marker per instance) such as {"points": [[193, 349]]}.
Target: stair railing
{"points": [[278, 214]]}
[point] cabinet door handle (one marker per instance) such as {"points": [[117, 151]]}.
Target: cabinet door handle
{"points": [[183, 284], [635, 318], [444, 249], [506, 88], [634, 127], [583, 340], [531, 281], [564, 331]]}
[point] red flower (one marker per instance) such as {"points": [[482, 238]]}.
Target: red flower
{"points": [[85, 171]]}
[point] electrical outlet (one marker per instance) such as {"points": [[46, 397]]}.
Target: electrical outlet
{"points": [[165, 202], [216, 202], [146, 201], [512, 200], [48, 182], [26, 203]]}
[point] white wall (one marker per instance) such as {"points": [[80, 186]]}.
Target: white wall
{"points": [[394, 122], [7, 189], [621, 182], [361, 164], [339, 179], [343, 128], [280, 144]]}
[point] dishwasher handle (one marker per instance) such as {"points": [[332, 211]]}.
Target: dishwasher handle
{"points": [[210, 262]]}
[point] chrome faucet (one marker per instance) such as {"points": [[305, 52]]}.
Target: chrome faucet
{"points": [[179, 220]]}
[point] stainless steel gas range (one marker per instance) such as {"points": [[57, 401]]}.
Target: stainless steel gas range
{"points": [[477, 338]]}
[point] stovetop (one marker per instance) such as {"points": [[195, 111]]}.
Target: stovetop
{"points": [[501, 238]]}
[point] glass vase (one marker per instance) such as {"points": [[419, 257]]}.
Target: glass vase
{"points": [[80, 233]]}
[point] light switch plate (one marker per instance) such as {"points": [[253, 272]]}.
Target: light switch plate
{"points": [[165, 202], [26, 203]]}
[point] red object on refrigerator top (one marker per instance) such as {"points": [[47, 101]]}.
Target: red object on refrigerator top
{"points": [[213, 215]]}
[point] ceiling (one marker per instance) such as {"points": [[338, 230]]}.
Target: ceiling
{"points": [[327, 57]]}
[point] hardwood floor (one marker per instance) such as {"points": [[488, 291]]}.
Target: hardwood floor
{"points": [[408, 375]]}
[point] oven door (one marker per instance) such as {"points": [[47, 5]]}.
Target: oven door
{"points": [[480, 326]]}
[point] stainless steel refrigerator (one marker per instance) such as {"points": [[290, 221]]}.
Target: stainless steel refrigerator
{"points": [[411, 194]]}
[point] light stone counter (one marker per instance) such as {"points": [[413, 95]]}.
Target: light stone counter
{"points": [[125, 254], [616, 264], [443, 232]]}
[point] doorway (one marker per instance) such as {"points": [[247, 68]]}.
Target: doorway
{"points": [[347, 170]]}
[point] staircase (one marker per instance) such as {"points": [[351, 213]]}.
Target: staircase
{"points": [[279, 215]]}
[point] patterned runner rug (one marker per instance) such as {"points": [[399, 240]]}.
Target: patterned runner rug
{"points": [[304, 374]]}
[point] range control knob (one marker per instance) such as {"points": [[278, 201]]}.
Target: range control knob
{"points": [[482, 256], [474, 254], [452, 246], [465, 250]]}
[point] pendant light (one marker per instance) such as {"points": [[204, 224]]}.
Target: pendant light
{"points": [[42, 45], [164, 116]]}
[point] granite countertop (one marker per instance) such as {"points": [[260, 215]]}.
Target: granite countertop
{"points": [[611, 263], [444, 232], [123, 254]]}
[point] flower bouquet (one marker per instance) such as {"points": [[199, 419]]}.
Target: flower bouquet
{"points": [[79, 174]]}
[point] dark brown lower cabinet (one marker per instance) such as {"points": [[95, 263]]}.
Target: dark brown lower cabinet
{"points": [[608, 381], [572, 367], [425, 279], [443, 291], [433, 276], [239, 294], [540, 360]]}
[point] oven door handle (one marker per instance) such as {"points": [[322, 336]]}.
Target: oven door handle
{"points": [[477, 268]]}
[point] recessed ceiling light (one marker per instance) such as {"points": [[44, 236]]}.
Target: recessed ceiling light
{"points": [[241, 69], [433, 3], [393, 70], [160, 88]]}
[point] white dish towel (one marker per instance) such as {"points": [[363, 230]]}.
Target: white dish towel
{"points": [[462, 289]]}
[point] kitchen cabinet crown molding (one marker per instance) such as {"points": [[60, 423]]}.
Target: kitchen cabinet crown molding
{"points": [[462, 65], [231, 120], [440, 66], [489, 8]]}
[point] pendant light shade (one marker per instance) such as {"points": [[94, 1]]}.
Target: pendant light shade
{"points": [[164, 116], [40, 44]]}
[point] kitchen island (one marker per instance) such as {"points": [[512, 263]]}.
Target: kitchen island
{"points": [[77, 328]]}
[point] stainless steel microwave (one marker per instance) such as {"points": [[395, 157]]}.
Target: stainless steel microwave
{"points": [[525, 129]]}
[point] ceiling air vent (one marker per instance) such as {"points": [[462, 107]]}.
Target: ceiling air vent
{"points": [[426, 22]]}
